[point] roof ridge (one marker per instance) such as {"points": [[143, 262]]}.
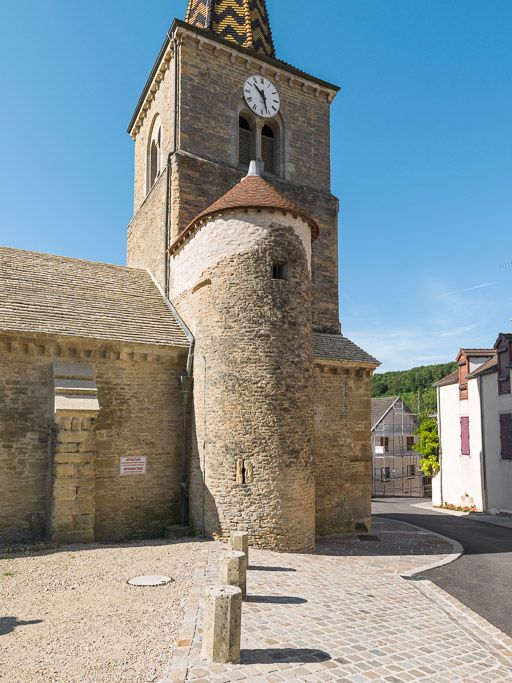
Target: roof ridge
{"points": [[71, 258]]}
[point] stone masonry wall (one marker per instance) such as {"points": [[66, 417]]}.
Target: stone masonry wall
{"points": [[140, 414], [146, 241], [211, 96], [342, 447], [72, 496], [252, 463], [197, 183], [162, 105], [206, 163]]}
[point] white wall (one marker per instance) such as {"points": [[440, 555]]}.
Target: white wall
{"points": [[499, 472], [461, 474], [223, 237]]}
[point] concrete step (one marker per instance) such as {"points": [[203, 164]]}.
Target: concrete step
{"points": [[174, 531]]}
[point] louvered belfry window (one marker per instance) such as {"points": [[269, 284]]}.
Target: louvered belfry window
{"points": [[268, 149], [244, 142]]}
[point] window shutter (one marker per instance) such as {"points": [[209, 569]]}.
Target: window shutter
{"points": [[244, 150], [506, 436], [267, 153], [464, 435]]}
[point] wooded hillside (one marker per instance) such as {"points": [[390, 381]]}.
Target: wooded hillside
{"points": [[407, 384]]}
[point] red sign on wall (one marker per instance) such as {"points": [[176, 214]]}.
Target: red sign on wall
{"points": [[132, 465]]}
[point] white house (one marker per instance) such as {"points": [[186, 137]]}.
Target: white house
{"points": [[475, 426]]}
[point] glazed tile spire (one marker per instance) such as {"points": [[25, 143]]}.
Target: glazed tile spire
{"points": [[243, 22]]}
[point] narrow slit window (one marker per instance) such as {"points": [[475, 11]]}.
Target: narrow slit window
{"points": [[154, 159], [280, 270], [268, 149], [244, 142]]}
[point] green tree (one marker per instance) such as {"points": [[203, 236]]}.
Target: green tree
{"points": [[428, 447], [411, 384]]}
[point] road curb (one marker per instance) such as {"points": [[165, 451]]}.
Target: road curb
{"points": [[462, 613], [457, 547]]}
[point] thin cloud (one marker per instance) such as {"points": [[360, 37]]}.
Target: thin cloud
{"points": [[456, 331], [469, 289]]}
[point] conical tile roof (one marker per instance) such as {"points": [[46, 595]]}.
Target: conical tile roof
{"points": [[252, 192]]}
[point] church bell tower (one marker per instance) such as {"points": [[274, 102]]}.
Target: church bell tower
{"points": [[218, 102], [202, 118]]}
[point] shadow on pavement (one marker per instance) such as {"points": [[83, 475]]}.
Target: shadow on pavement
{"points": [[288, 655], [276, 599], [256, 568]]}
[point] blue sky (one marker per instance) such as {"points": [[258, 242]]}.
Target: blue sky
{"points": [[421, 142]]}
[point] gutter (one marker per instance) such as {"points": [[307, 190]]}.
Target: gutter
{"points": [[186, 383]]}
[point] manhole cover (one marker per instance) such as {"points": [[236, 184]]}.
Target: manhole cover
{"points": [[150, 581]]}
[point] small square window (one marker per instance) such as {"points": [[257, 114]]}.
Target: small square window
{"points": [[384, 442], [411, 471], [280, 270], [385, 474]]}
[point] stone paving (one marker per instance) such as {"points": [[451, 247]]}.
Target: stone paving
{"points": [[345, 614]]}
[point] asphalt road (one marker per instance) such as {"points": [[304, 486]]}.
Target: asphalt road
{"points": [[482, 577]]}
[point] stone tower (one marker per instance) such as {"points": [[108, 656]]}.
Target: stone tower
{"points": [[241, 279], [279, 440]]}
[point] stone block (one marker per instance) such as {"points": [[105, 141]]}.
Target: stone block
{"points": [[233, 571], [239, 542], [222, 625]]}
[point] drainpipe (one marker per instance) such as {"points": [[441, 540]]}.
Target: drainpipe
{"points": [[483, 462], [440, 444], [186, 390]]}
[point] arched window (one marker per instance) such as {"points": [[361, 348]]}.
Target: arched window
{"points": [[244, 142], [268, 149], [154, 154]]}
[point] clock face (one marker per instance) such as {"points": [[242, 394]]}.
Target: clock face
{"points": [[262, 96]]}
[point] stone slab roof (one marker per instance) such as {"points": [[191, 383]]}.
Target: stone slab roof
{"points": [[46, 294], [486, 368], [381, 407], [452, 378], [338, 347]]}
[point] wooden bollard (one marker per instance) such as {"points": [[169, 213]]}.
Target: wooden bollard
{"points": [[222, 624], [239, 541], [233, 571]]}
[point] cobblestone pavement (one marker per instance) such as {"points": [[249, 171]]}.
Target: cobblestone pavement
{"points": [[345, 614]]}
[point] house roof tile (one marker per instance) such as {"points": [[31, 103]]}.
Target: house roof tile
{"points": [[452, 378], [486, 368], [381, 407]]}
